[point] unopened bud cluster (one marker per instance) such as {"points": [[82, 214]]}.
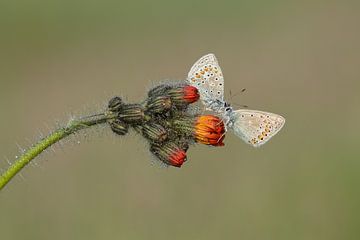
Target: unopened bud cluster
{"points": [[164, 120]]}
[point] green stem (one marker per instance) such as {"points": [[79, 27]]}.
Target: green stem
{"points": [[72, 127]]}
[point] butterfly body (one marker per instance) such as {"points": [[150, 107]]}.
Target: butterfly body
{"points": [[253, 126]]}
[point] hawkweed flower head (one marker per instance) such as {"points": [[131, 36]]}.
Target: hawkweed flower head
{"points": [[205, 129], [209, 130], [169, 153]]}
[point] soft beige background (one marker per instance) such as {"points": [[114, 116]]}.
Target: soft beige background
{"points": [[297, 58]]}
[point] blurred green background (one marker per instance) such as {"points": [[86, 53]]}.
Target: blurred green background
{"points": [[296, 58]]}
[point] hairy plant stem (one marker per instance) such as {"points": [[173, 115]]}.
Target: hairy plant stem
{"points": [[72, 127]]}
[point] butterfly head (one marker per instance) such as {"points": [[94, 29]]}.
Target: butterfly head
{"points": [[227, 107]]}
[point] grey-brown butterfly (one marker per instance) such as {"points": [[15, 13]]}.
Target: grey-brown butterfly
{"points": [[252, 126]]}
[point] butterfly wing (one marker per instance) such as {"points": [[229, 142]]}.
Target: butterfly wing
{"points": [[207, 77], [256, 127]]}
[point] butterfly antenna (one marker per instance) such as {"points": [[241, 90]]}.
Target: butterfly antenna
{"points": [[237, 93], [240, 105]]}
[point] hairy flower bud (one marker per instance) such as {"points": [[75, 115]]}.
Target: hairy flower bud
{"points": [[160, 90], [115, 104], [191, 94], [132, 114], [169, 154], [119, 127], [205, 129], [183, 95], [183, 144], [159, 104], [154, 132]]}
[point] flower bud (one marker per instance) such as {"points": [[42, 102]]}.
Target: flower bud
{"points": [[115, 104], [119, 127], [183, 95], [132, 113], [205, 129], [154, 132], [169, 154], [160, 90], [183, 144], [159, 104]]}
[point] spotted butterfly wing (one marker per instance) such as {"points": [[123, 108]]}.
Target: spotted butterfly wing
{"points": [[207, 77], [256, 127]]}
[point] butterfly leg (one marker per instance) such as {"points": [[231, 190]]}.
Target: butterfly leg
{"points": [[225, 126]]}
